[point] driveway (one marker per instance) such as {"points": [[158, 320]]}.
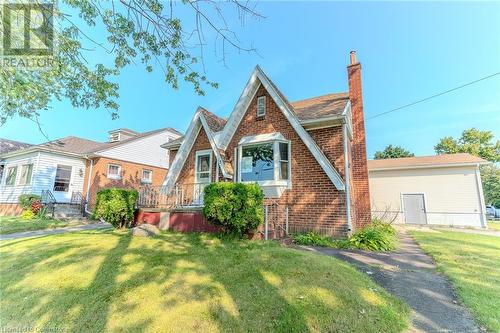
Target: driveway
{"points": [[45, 232], [411, 275]]}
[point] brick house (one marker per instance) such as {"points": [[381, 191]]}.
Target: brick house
{"points": [[72, 170], [298, 152]]}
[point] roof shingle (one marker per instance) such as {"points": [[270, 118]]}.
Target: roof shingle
{"points": [[7, 146], [425, 161], [321, 106]]}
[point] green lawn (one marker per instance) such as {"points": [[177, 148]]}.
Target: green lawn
{"points": [[494, 225], [472, 262], [108, 281], [11, 224]]}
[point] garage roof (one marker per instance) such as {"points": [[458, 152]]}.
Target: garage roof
{"points": [[425, 161]]}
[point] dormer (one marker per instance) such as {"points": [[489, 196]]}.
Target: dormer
{"points": [[121, 134]]}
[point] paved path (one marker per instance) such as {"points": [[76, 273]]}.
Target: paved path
{"points": [[45, 232], [411, 275]]}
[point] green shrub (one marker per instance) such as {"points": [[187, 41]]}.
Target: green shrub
{"points": [[234, 207], [116, 206], [377, 236], [25, 200], [27, 214], [312, 238]]}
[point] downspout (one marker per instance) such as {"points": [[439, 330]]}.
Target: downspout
{"points": [[347, 178], [482, 204], [87, 195]]}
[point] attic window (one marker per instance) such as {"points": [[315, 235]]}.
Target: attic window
{"points": [[261, 106]]}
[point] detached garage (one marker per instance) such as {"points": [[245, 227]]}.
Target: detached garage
{"points": [[438, 190]]}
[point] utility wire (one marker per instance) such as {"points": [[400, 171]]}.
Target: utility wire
{"points": [[433, 96]]}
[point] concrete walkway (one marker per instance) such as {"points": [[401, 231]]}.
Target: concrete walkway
{"points": [[411, 275], [45, 232]]}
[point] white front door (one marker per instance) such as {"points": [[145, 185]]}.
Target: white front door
{"points": [[414, 208], [203, 174], [62, 181]]}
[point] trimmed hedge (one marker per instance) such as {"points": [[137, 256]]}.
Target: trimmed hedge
{"points": [[234, 207], [116, 206]]}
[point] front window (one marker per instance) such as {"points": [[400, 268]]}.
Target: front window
{"points": [[10, 180], [257, 163], [26, 172], [114, 171], [267, 162], [284, 160], [1, 172], [63, 178], [147, 176]]}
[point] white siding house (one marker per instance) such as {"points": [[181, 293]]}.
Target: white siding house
{"points": [[433, 190], [59, 166]]}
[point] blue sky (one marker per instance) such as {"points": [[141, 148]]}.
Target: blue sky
{"points": [[408, 51]]}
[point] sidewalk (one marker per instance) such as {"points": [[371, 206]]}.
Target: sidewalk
{"points": [[411, 275], [55, 231]]}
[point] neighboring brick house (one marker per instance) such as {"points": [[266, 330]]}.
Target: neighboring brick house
{"points": [[129, 160], [73, 168], [297, 152]]}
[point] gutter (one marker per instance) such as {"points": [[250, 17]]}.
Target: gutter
{"points": [[87, 195], [482, 204], [347, 178]]}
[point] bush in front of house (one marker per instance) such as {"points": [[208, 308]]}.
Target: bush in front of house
{"points": [[377, 236], [234, 207], [116, 206], [25, 200]]}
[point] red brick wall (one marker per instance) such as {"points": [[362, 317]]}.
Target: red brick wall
{"points": [[186, 176], [131, 176], [360, 189], [313, 201], [10, 209]]}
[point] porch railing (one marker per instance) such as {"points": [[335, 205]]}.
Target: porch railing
{"points": [[49, 201], [180, 195]]}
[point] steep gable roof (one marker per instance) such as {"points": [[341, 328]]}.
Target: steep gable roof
{"points": [[198, 122], [257, 78]]}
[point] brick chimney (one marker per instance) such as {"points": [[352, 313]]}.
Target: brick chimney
{"points": [[360, 195]]}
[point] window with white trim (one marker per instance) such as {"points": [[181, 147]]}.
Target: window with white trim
{"points": [[1, 172], [267, 163], [147, 176], [203, 166], [26, 173], [114, 171], [10, 179], [261, 106]]}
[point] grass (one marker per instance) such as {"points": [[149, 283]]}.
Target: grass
{"points": [[108, 281], [494, 225], [11, 224], [472, 262]]}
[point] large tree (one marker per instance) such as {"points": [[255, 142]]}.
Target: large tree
{"points": [[146, 31], [472, 141], [482, 144], [490, 177], [392, 152]]}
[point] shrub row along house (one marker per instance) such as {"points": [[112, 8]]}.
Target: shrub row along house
{"points": [[308, 156], [72, 169]]}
